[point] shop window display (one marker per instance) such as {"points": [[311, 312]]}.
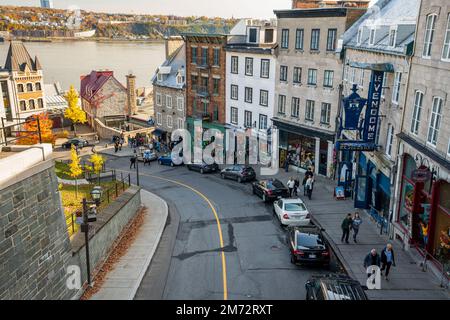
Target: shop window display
{"points": [[441, 246], [302, 151]]}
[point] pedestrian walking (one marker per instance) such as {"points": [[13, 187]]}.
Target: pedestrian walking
{"points": [[133, 160], [356, 222], [372, 259], [387, 259], [116, 147], [120, 144], [308, 174], [309, 187], [286, 163], [291, 185], [346, 225], [147, 157], [296, 186]]}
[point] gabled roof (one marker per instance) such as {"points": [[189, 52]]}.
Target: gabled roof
{"points": [[92, 83], [18, 58], [175, 63], [385, 15]]}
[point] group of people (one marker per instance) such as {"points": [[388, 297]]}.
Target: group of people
{"points": [[385, 260], [350, 223], [293, 185], [118, 142]]}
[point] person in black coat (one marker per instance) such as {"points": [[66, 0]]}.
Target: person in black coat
{"points": [[372, 259], [345, 226], [387, 259]]}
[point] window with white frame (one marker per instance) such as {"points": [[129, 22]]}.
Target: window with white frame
{"points": [[159, 118], [359, 37], [160, 77], [234, 64], [346, 73], [328, 78], [295, 107], [389, 140], [435, 120], [234, 92], [265, 68], [264, 98], [331, 39], [430, 26], [248, 119], [315, 39], [446, 49], [281, 104], [353, 76], [252, 35], [248, 66], [325, 113], [383, 90], [180, 103], [418, 103], [158, 99], [284, 38], [180, 123], [397, 87], [248, 95], [312, 76], [362, 74], [262, 122], [168, 101], [372, 37], [297, 77], [309, 111], [299, 36], [169, 121], [234, 115], [392, 37]]}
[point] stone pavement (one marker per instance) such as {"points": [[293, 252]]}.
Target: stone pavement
{"points": [[407, 280], [123, 280]]}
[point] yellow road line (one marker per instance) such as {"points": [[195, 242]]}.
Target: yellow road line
{"points": [[219, 227]]}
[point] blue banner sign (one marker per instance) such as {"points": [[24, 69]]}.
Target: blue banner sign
{"points": [[353, 105], [373, 107]]}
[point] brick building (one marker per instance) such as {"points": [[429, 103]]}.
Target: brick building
{"points": [[205, 80]]}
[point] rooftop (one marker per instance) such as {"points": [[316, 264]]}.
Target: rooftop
{"points": [[170, 68], [18, 58]]}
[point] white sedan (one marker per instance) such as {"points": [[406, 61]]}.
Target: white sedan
{"points": [[291, 212]]}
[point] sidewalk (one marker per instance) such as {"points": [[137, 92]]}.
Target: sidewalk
{"points": [[407, 280], [122, 282]]}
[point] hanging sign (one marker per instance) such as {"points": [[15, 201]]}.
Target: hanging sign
{"points": [[373, 107]]}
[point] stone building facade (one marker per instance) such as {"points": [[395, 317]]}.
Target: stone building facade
{"points": [[34, 244], [422, 212], [205, 80], [389, 42], [169, 91], [308, 84]]}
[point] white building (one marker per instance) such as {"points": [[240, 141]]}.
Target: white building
{"points": [[250, 75], [47, 4]]}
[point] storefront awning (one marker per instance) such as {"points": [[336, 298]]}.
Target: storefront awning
{"points": [[386, 67], [298, 129]]}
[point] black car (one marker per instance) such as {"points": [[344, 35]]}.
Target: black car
{"points": [[239, 173], [270, 189], [334, 287], [308, 246], [203, 167], [77, 142]]}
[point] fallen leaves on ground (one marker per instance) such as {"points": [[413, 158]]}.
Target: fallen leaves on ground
{"points": [[119, 248]]}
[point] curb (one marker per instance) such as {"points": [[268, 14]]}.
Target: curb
{"points": [[165, 213]]}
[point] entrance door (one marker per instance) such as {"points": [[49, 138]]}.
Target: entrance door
{"points": [[361, 187]]}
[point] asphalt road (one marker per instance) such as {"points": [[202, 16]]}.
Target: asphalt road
{"points": [[190, 260]]}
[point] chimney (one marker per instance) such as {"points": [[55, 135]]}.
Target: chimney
{"points": [[172, 44], [131, 94]]}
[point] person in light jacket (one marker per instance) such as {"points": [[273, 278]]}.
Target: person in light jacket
{"points": [[355, 225], [387, 259]]}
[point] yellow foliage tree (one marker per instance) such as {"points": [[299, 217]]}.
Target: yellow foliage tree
{"points": [[75, 168], [30, 132], [97, 164], [74, 113]]}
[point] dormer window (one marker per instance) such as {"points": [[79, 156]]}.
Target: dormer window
{"points": [[372, 37], [392, 37], [360, 33], [160, 77], [252, 35], [180, 79]]}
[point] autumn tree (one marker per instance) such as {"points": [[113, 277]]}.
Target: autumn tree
{"points": [[74, 113], [97, 164], [29, 134], [75, 168]]}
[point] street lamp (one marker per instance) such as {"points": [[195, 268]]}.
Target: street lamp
{"points": [[90, 215], [137, 170]]}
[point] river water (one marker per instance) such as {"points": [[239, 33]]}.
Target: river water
{"points": [[66, 61]]}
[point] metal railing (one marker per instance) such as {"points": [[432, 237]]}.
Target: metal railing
{"points": [[11, 129]]}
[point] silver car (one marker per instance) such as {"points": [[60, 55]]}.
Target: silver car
{"points": [[291, 212]]}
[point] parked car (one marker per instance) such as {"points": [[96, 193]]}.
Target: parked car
{"points": [[77, 142], [166, 160], [270, 189], [152, 155], [292, 212], [239, 173], [308, 246], [334, 287], [203, 167]]}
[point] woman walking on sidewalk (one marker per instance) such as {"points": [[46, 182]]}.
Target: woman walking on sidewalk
{"points": [[387, 259], [291, 185], [309, 187], [355, 225], [346, 225]]}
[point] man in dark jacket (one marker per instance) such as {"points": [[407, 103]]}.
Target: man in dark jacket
{"points": [[372, 259], [387, 259], [346, 225]]}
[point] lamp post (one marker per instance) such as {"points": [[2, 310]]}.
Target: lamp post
{"points": [[137, 170], [89, 215]]}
